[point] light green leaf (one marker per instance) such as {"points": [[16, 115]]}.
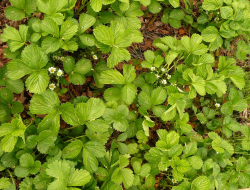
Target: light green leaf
{"points": [[16, 69], [129, 73], [158, 96], [68, 30], [34, 57], [211, 5], [209, 34], [79, 178], [169, 114], [4, 183], [13, 13], [196, 162], [104, 35], [95, 148], [200, 183], [51, 27], [73, 149], [98, 125], [118, 55], [96, 5], [128, 93], [112, 77], [37, 82], [85, 22], [50, 45], [46, 140], [50, 122], [44, 103], [89, 161], [174, 3]]}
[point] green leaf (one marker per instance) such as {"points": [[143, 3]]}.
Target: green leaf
{"points": [[34, 57], [50, 45], [112, 77], [196, 162], [13, 13], [238, 81], [95, 148], [112, 94], [8, 143], [16, 69], [6, 95], [15, 86], [73, 149], [60, 171], [154, 7], [44, 103], [85, 22], [194, 44], [51, 27], [68, 114], [51, 7], [37, 82], [46, 140], [158, 96], [77, 79], [98, 125], [169, 114], [83, 66], [128, 93], [89, 161], [96, 5], [209, 34], [129, 73], [68, 30], [87, 39], [226, 12], [50, 122], [104, 35], [4, 183], [124, 175], [211, 5], [79, 178], [181, 166], [174, 3], [200, 183], [11, 33]]}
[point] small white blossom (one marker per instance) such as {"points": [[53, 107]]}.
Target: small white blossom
{"points": [[59, 73], [152, 69], [218, 13], [164, 81], [173, 84], [217, 105], [95, 57], [52, 86], [174, 181], [52, 70], [166, 169], [158, 76], [169, 77], [217, 152], [163, 70]]}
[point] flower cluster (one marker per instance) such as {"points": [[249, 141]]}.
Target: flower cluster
{"points": [[161, 74]]}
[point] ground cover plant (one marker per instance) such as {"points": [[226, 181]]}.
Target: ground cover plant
{"points": [[101, 113]]}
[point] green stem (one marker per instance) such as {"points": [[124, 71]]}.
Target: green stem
{"points": [[75, 138], [81, 8], [13, 180]]}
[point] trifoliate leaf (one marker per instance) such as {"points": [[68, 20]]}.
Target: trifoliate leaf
{"points": [[73, 149]]}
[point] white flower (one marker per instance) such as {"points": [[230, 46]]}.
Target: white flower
{"points": [[217, 152], [52, 86], [174, 181], [163, 70], [158, 76], [164, 81], [218, 13], [59, 73], [95, 57], [217, 105], [152, 69], [166, 168], [52, 70], [173, 84], [169, 77]]}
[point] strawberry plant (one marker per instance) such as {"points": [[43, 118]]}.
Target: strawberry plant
{"points": [[80, 111]]}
